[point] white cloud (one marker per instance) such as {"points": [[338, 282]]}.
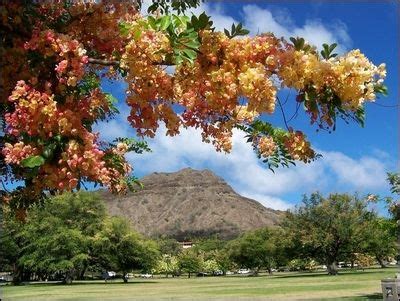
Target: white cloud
{"points": [[259, 20], [244, 172], [113, 129], [364, 173], [268, 201]]}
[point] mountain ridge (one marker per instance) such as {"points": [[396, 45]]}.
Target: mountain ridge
{"points": [[190, 203]]}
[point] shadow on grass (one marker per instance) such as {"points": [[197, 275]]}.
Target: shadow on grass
{"points": [[371, 297], [78, 283], [319, 274]]}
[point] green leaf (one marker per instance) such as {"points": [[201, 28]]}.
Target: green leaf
{"points": [[124, 28], [165, 22], [152, 22], [48, 151], [301, 43], [191, 54], [203, 20], [194, 44], [152, 8], [333, 46], [178, 59], [360, 116], [382, 89], [33, 161], [179, 20]]}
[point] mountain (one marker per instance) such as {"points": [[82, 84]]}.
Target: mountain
{"points": [[189, 203]]}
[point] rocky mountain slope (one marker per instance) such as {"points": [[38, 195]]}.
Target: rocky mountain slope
{"points": [[189, 203]]}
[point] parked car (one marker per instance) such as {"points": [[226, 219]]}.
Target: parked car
{"points": [[244, 271], [202, 274], [229, 273], [147, 275], [218, 273], [108, 275]]}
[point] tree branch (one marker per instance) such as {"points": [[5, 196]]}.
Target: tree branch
{"points": [[283, 113], [103, 62], [117, 63]]}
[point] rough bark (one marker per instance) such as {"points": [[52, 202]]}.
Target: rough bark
{"points": [[332, 268], [68, 279], [380, 261]]}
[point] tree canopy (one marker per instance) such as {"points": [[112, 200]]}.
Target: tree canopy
{"points": [[68, 235], [330, 229], [55, 54]]}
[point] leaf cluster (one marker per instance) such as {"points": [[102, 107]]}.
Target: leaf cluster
{"points": [[236, 30], [52, 149], [281, 157], [327, 52], [165, 6], [300, 44]]}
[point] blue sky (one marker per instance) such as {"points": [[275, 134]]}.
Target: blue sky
{"points": [[354, 159]]}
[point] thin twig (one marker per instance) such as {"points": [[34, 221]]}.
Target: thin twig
{"points": [[283, 113], [295, 113], [385, 106]]}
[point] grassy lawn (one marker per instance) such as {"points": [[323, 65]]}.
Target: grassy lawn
{"points": [[348, 285]]}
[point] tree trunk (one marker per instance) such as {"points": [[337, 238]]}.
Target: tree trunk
{"points": [[125, 278], [380, 261], [17, 275], [269, 271], [332, 268], [67, 279], [82, 273], [189, 275]]}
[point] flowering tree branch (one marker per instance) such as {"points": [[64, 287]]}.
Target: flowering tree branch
{"points": [[104, 62]]}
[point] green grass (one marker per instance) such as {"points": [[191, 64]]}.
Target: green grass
{"points": [[290, 286]]}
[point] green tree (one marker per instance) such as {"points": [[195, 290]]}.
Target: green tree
{"points": [[167, 265], [190, 262], [208, 245], [210, 266], [69, 234], [223, 260], [169, 246], [255, 249], [328, 229], [381, 242], [394, 206], [58, 236], [122, 249], [11, 243]]}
